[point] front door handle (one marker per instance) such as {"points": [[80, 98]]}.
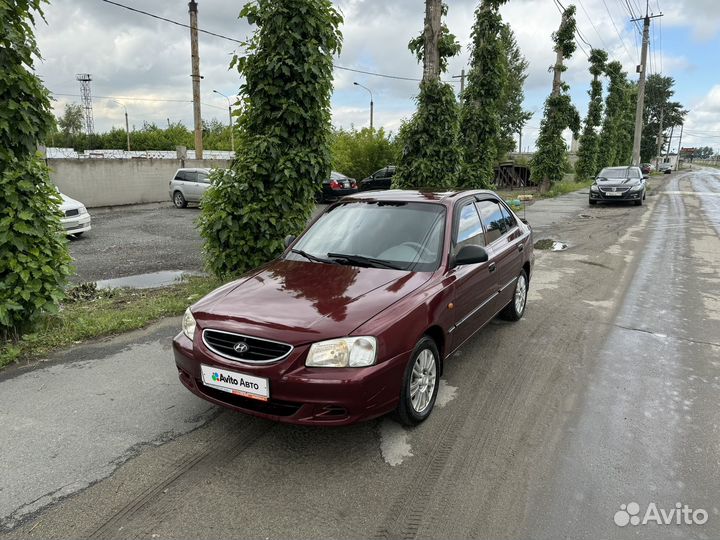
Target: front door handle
{"points": [[492, 267]]}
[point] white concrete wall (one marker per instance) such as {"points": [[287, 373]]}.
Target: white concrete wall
{"points": [[114, 182]]}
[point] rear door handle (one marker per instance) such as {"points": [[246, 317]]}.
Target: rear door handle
{"points": [[492, 267], [521, 247]]}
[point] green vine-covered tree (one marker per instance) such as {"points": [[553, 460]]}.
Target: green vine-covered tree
{"points": [[586, 166], [431, 155], [548, 163], [34, 259], [285, 132], [615, 108], [512, 114], [483, 97]]}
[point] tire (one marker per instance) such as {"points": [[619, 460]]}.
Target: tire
{"points": [[638, 202], [426, 357], [592, 203], [516, 308], [78, 234], [179, 200]]}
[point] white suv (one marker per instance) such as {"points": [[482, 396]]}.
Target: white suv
{"points": [[188, 185]]}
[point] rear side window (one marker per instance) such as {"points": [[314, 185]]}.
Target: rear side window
{"points": [[470, 230], [185, 176], [203, 177], [492, 219]]}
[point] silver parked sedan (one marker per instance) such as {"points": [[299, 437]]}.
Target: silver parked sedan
{"points": [[188, 186], [76, 219]]}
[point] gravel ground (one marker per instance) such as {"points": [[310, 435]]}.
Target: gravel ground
{"points": [[139, 239]]}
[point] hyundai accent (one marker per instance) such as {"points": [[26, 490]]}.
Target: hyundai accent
{"points": [[358, 316]]}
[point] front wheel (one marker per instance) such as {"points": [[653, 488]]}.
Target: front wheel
{"points": [[420, 384], [592, 202], [516, 308]]}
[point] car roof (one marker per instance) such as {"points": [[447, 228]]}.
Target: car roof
{"points": [[194, 169], [420, 195]]}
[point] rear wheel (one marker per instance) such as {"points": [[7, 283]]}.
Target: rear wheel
{"points": [[179, 200], [420, 384], [516, 308]]}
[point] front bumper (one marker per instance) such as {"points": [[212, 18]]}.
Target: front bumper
{"points": [[76, 224], [624, 196], [299, 395]]}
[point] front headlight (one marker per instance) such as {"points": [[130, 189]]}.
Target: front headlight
{"points": [[82, 210], [188, 324], [636, 188], [594, 187], [343, 352]]}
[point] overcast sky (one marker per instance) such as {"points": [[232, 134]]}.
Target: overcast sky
{"points": [[138, 59]]}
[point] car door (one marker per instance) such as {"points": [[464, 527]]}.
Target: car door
{"points": [[381, 180], [475, 284], [502, 235], [203, 179]]}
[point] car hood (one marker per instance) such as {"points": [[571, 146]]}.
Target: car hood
{"points": [[298, 302], [68, 203], [617, 182]]}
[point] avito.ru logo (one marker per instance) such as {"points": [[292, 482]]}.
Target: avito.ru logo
{"points": [[680, 515], [219, 377]]}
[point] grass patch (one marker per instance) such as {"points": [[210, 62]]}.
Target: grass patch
{"points": [[564, 187], [88, 313]]}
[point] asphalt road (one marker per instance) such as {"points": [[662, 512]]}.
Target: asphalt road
{"points": [[603, 395]]}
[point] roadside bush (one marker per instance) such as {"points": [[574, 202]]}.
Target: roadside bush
{"points": [[358, 154], [34, 259], [284, 150]]}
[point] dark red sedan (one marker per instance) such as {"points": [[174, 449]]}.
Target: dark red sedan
{"points": [[357, 317]]}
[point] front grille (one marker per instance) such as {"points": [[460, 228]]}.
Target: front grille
{"points": [[614, 190], [255, 351], [273, 407], [73, 212]]}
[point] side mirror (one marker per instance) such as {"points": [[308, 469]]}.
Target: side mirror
{"points": [[470, 255], [289, 239]]}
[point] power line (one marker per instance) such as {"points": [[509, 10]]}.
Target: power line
{"points": [[126, 98], [561, 9], [593, 24], [616, 29], [221, 36]]}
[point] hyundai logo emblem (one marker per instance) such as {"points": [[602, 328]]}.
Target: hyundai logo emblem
{"points": [[241, 347]]}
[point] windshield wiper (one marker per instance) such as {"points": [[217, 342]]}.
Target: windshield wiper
{"points": [[364, 261], [313, 258]]}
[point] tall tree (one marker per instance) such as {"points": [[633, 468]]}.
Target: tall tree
{"points": [[431, 155], [284, 128], [548, 163], [483, 97], [512, 116], [71, 122], [35, 262], [611, 136], [659, 91], [586, 166]]}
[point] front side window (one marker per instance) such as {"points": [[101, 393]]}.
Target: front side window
{"points": [[470, 231], [492, 219], [406, 235]]}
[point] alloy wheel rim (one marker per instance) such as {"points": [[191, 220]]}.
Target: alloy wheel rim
{"points": [[520, 295], [423, 381]]}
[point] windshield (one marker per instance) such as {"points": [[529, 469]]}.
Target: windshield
{"points": [[405, 235], [618, 173], [337, 176]]}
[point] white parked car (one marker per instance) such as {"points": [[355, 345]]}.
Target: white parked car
{"points": [[76, 219]]}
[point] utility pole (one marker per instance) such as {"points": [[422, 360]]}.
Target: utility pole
{"points": [[641, 69], [659, 139], [127, 125], [672, 130], [462, 81], [197, 114], [677, 161], [520, 141]]}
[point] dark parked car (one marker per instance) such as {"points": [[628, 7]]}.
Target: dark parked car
{"points": [[619, 184], [381, 179], [358, 316], [336, 187]]}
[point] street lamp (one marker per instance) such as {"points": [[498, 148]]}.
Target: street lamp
{"points": [[232, 135], [127, 127], [371, 102]]}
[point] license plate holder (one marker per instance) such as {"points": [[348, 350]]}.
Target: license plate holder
{"points": [[233, 382]]}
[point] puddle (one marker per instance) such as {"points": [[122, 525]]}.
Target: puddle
{"points": [[585, 216], [549, 244], [147, 281]]}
